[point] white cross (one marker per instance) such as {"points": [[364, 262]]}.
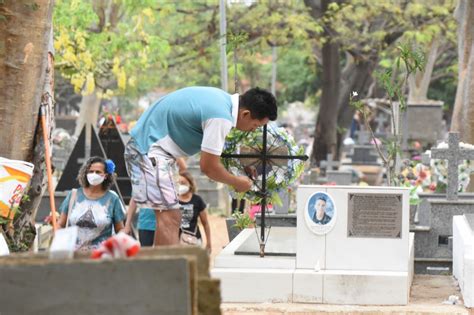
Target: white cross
{"points": [[454, 155]]}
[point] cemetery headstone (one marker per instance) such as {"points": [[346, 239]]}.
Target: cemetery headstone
{"points": [[454, 154], [381, 120], [363, 155], [114, 147], [363, 137], [422, 122], [360, 252], [333, 175], [171, 280], [434, 231]]}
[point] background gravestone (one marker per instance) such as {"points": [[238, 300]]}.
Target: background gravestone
{"points": [[114, 147], [422, 122]]}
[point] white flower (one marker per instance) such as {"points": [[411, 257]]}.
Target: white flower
{"points": [[466, 145], [354, 93], [442, 145]]}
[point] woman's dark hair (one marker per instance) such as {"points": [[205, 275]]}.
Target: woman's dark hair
{"points": [[82, 176], [190, 179], [260, 103]]}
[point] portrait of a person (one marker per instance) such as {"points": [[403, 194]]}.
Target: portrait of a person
{"points": [[320, 216]]}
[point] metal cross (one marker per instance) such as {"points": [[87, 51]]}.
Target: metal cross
{"points": [[265, 157], [454, 155]]}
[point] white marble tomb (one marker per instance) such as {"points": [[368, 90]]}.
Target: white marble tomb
{"points": [[362, 255], [463, 256]]}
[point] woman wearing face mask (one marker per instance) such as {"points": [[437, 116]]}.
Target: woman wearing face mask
{"points": [[192, 208], [93, 207]]}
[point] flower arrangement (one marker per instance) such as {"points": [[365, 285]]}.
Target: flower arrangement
{"points": [[417, 177], [280, 173]]}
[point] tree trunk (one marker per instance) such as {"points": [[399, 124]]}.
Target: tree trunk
{"points": [[419, 82], [23, 58], [89, 113], [326, 123], [357, 76], [463, 112], [26, 82]]}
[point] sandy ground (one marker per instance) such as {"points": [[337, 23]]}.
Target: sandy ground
{"points": [[427, 294]]}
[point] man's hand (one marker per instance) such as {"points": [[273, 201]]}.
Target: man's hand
{"points": [[211, 166], [242, 184]]}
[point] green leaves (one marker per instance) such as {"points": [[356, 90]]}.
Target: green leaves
{"points": [[108, 44], [242, 220]]}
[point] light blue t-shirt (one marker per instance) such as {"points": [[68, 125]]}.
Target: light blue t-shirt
{"points": [[146, 219], [93, 217], [178, 118]]}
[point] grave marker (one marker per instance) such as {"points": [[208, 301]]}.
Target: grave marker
{"points": [[329, 163], [454, 155], [363, 137]]}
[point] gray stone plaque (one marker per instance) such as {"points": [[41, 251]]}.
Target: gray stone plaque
{"points": [[375, 215]]}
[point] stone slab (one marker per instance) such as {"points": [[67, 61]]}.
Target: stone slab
{"points": [[435, 243], [307, 286], [97, 287], [424, 208], [339, 177], [365, 287], [255, 285], [281, 241], [278, 220], [227, 258], [463, 257]]}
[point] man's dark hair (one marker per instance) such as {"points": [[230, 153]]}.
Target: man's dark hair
{"points": [[260, 103], [322, 198]]}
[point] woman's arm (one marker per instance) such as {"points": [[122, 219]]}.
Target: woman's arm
{"points": [[132, 208], [207, 228], [62, 220]]}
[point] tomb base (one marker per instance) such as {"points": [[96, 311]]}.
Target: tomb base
{"points": [[463, 256], [276, 278]]}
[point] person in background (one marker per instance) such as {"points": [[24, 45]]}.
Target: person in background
{"points": [[192, 208], [93, 208], [146, 224]]}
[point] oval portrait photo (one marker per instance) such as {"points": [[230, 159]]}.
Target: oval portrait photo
{"points": [[320, 213]]}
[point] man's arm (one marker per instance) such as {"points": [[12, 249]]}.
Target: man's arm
{"points": [[211, 166]]}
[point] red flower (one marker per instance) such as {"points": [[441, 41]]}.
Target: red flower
{"points": [[422, 175]]}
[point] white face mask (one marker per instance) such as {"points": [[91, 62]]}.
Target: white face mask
{"points": [[182, 189], [95, 179]]}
